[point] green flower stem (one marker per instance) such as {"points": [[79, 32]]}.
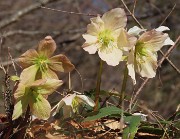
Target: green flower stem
{"points": [[123, 85], [98, 86]]}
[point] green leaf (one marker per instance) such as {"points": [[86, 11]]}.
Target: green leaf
{"points": [[130, 131], [39, 106], [107, 111]]}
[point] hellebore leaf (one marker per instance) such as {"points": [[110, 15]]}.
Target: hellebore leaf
{"points": [[103, 112], [130, 131]]}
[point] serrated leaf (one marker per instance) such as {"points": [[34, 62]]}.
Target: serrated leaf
{"points": [[103, 112], [130, 131]]}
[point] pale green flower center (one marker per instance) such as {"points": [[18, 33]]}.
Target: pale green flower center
{"points": [[106, 39], [140, 52], [75, 104], [42, 62]]}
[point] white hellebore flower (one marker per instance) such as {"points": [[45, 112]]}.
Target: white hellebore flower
{"points": [[143, 57], [102, 36], [71, 102]]}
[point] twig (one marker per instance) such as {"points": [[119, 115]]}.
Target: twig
{"points": [[12, 61], [165, 130], [23, 12], [169, 51], [81, 78], [135, 2], [25, 32], [6, 63], [168, 14], [68, 12], [132, 14], [170, 62]]}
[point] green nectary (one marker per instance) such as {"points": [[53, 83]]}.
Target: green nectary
{"points": [[140, 50], [105, 38], [41, 62]]}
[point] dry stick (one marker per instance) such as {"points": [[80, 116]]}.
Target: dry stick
{"points": [[12, 61], [135, 2], [132, 14], [68, 12], [170, 62], [168, 14], [24, 32], [23, 12], [159, 64], [81, 78]]}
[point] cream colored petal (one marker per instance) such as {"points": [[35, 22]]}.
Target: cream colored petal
{"points": [[91, 49], [59, 106], [90, 45], [96, 26], [60, 63], [162, 28], [49, 74], [168, 41], [90, 39], [86, 100], [68, 100], [47, 46], [111, 56], [153, 40], [40, 107], [135, 31], [46, 87], [130, 66], [20, 91], [28, 75], [148, 67], [26, 59], [115, 19], [125, 41], [20, 107]]}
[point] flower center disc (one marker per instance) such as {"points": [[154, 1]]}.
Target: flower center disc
{"points": [[105, 38]]}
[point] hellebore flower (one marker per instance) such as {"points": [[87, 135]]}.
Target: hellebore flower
{"points": [[71, 102], [41, 62], [102, 36], [143, 57], [33, 94]]}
